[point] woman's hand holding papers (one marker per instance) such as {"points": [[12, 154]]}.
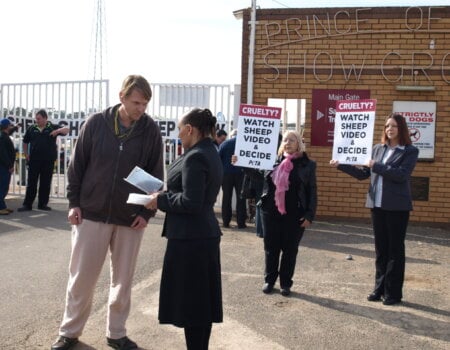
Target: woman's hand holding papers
{"points": [[153, 203]]}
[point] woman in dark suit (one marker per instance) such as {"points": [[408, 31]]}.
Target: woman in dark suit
{"points": [[389, 198], [288, 205], [191, 292]]}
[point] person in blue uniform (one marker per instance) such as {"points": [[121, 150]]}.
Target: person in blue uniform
{"points": [[39, 147], [232, 180]]}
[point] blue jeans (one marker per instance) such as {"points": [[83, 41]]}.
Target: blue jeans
{"points": [[5, 177]]}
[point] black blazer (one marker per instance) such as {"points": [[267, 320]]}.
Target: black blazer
{"points": [[396, 175], [193, 182], [303, 175]]}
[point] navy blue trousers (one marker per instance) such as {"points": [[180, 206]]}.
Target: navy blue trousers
{"points": [[5, 177], [233, 182], [389, 228], [39, 171]]}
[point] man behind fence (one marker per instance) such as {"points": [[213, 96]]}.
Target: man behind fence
{"points": [[110, 145], [39, 147]]}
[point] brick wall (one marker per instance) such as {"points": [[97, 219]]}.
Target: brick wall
{"points": [[298, 50]]}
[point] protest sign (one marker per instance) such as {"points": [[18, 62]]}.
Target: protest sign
{"points": [[257, 137], [353, 131], [323, 111]]}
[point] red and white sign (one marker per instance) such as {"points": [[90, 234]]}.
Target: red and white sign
{"points": [[421, 120], [353, 131], [257, 137], [324, 110]]}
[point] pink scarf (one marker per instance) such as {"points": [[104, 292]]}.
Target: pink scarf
{"points": [[280, 178]]}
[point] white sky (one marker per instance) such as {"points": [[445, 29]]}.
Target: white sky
{"points": [[167, 41]]}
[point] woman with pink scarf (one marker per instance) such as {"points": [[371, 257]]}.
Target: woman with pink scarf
{"points": [[288, 205]]}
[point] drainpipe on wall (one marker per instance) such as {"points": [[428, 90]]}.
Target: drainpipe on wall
{"points": [[251, 54]]}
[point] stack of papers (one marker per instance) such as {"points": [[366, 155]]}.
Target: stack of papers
{"points": [[144, 181]]}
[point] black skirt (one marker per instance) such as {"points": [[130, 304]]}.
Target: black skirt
{"points": [[191, 288]]}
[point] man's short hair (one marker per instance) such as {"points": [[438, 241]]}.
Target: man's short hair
{"points": [[139, 83], [221, 132], [42, 113]]}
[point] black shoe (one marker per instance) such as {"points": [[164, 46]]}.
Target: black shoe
{"points": [[64, 343], [374, 296], [242, 226], [267, 288], [44, 207], [391, 301], [285, 291], [123, 343], [226, 225], [24, 208]]}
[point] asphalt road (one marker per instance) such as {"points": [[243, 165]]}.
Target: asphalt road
{"points": [[327, 309]]}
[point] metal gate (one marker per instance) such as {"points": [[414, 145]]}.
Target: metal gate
{"points": [[69, 103], [171, 101], [66, 102]]}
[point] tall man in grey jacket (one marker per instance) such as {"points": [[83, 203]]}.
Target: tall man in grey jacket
{"points": [[110, 145]]}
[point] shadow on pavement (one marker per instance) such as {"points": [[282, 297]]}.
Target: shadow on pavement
{"points": [[84, 346], [345, 239], [408, 322]]}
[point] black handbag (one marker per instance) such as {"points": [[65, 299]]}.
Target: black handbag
{"points": [[247, 191]]}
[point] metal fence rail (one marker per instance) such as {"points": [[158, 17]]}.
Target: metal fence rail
{"points": [[68, 103]]}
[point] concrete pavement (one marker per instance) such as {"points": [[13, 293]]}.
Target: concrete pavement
{"points": [[327, 309]]}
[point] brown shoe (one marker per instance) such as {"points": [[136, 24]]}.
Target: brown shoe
{"points": [[4, 212], [64, 343]]}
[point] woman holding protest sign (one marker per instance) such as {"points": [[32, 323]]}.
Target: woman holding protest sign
{"points": [[389, 198], [288, 205]]}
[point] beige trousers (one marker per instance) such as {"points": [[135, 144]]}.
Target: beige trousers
{"points": [[90, 243]]}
